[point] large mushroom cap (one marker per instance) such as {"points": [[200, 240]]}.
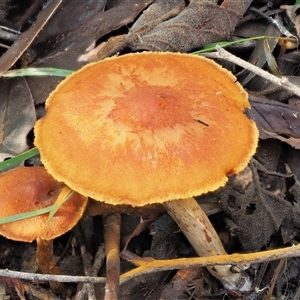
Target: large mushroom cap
{"points": [[145, 128], [31, 188]]}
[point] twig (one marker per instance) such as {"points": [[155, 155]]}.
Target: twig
{"points": [[98, 259], [28, 14], [49, 277], [148, 265], [275, 22], [277, 273], [26, 38], [86, 261], [283, 81]]}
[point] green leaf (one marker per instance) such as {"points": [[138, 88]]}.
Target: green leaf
{"points": [[38, 72], [64, 195], [224, 44], [26, 215], [18, 159], [15, 161]]}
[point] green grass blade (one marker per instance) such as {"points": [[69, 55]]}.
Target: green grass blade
{"points": [[15, 161], [38, 72], [26, 215], [224, 44]]}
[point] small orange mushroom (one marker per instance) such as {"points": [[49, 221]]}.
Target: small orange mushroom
{"points": [[31, 188], [149, 128]]}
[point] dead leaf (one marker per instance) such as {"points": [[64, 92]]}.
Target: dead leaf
{"points": [[294, 197], [292, 12], [294, 142], [17, 117], [272, 64], [67, 46], [258, 57], [258, 212], [142, 226], [13, 288], [158, 12], [288, 63], [26, 38], [167, 239], [190, 280], [276, 120], [260, 218], [173, 28], [288, 232]]}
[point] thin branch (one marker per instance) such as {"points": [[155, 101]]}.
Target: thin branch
{"points": [[48, 277], [148, 265], [86, 261], [280, 81]]}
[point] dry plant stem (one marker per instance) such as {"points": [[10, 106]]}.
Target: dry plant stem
{"points": [[200, 233], [98, 260], [87, 289], [29, 13], [278, 272], [280, 81], [112, 225], [149, 265], [26, 38], [46, 261]]}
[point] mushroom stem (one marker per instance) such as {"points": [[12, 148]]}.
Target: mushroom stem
{"points": [[46, 261], [201, 234], [112, 225]]}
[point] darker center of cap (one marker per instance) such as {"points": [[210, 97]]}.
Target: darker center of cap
{"points": [[150, 108]]}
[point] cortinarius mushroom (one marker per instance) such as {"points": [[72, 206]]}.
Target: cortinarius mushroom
{"points": [[27, 189], [147, 128]]}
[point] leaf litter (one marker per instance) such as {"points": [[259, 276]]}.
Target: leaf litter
{"points": [[255, 212]]}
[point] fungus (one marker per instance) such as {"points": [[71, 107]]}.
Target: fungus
{"points": [[27, 189], [151, 127]]}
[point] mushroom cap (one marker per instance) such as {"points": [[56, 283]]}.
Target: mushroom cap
{"points": [[146, 128], [31, 188]]}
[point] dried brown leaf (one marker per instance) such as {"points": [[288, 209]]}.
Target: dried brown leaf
{"points": [[293, 13], [190, 280], [69, 35], [257, 57], [17, 117], [13, 287], [276, 120], [142, 226], [258, 214], [175, 28], [26, 38], [294, 197]]}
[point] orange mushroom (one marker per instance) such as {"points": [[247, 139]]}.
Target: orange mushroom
{"points": [[32, 188], [149, 128]]}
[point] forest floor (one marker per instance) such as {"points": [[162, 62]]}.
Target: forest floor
{"points": [[257, 210]]}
